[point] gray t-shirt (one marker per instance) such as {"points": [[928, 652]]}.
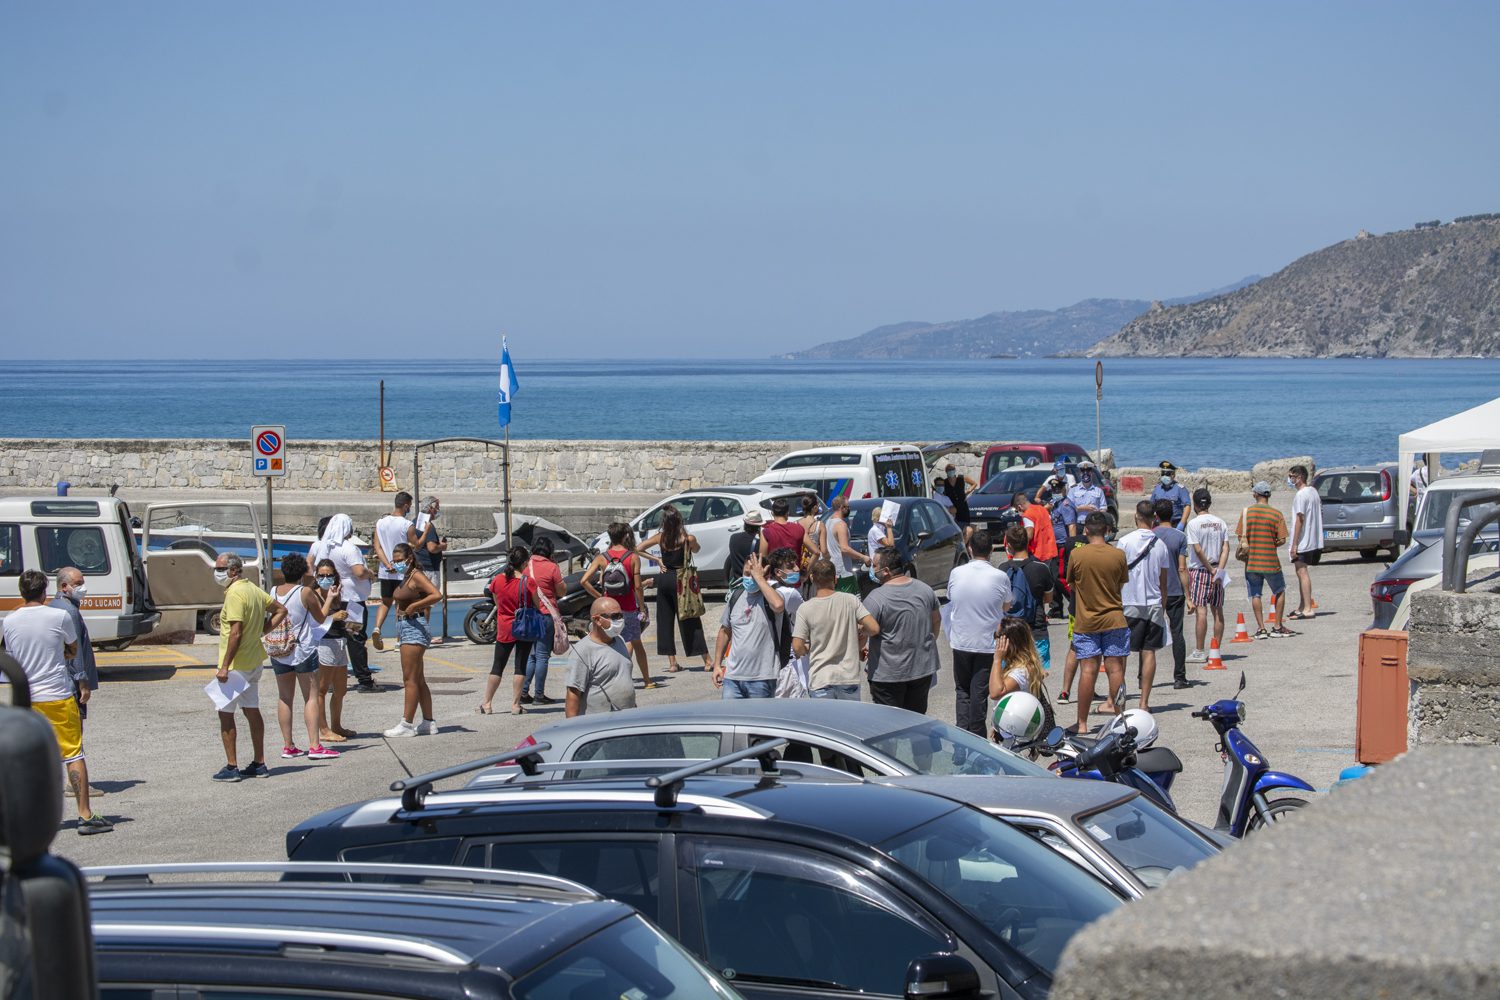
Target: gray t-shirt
{"points": [[602, 675], [905, 649], [1176, 543], [752, 652]]}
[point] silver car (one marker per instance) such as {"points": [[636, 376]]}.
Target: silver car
{"points": [[1109, 829], [1359, 508], [861, 738]]}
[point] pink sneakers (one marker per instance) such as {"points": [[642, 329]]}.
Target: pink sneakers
{"points": [[291, 753], [321, 752]]}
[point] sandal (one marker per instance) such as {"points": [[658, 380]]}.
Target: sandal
{"points": [[486, 710], [650, 686], [518, 710], [346, 732], [1262, 634], [1297, 616], [330, 736], [1283, 633]]}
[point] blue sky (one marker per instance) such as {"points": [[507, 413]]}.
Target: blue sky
{"points": [[695, 179]]}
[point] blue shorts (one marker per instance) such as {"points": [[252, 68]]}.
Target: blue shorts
{"points": [[307, 666], [839, 692], [735, 690], [1253, 582], [1114, 642], [633, 629], [414, 632]]}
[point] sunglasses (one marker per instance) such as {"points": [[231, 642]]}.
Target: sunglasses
{"points": [[327, 576], [618, 616]]}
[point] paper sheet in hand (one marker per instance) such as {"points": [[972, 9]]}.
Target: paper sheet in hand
{"points": [[222, 694], [889, 511], [422, 521], [946, 611]]}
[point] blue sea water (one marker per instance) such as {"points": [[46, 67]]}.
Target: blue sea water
{"points": [[1196, 412]]}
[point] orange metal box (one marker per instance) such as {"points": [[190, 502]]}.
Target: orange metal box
{"points": [[1384, 692]]}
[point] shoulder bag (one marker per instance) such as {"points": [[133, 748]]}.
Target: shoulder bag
{"points": [[689, 592], [281, 641], [528, 625], [560, 644]]}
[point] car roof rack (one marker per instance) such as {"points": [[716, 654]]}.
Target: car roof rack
{"points": [[415, 790], [797, 769], [366, 941], [668, 785], [138, 874]]}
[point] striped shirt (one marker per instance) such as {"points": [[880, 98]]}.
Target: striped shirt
{"points": [[1262, 530]]}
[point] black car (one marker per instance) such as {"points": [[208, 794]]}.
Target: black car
{"points": [[926, 535], [390, 931], [990, 506], [789, 887]]}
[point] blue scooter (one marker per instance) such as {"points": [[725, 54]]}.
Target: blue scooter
{"points": [[1115, 757], [1252, 794]]}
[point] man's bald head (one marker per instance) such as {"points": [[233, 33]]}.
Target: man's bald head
{"points": [[604, 606], [69, 576]]}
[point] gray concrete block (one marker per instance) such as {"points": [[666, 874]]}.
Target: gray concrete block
{"points": [[1387, 888]]}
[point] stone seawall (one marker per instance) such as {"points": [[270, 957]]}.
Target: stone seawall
{"points": [[536, 465]]}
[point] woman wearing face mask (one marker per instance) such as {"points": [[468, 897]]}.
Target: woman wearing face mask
{"points": [[599, 680], [676, 542], [414, 595], [508, 591], [333, 656], [306, 608]]}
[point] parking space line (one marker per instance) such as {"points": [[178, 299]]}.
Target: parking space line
{"points": [[449, 663]]}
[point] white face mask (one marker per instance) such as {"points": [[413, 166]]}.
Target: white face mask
{"points": [[615, 628], [79, 592], [221, 577]]}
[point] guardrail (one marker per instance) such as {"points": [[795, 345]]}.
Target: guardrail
{"points": [[1456, 550]]}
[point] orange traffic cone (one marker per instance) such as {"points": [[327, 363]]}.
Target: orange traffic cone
{"points": [[1315, 604], [1271, 621], [1241, 633], [1215, 661]]}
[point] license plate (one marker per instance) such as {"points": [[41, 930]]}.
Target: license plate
{"points": [[1342, 536]]}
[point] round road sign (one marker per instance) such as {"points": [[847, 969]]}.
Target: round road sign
{"points": [[268, 443], [387, 474]]}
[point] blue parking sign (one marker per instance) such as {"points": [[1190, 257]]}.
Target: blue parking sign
{"points": [[262, 464]]}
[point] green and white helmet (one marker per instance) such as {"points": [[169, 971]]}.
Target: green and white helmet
{"points": [[1018, 717]]}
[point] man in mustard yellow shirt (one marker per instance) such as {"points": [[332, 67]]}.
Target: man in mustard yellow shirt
{"points": [[248, 614]]}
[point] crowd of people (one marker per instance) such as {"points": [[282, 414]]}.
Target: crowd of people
{"points": [[808, 614]]}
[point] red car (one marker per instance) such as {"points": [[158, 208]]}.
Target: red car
{"points": [[999, 457]]}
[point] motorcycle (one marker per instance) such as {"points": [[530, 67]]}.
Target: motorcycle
{"points": [[1246, 802], [479, 623], [1115, 757]]}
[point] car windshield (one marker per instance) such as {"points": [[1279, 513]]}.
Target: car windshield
{"points": [[628, 959], [1012, 480], [1146, 840], [1003, 460], [859, 524], [1353, 487], [934, 747], [1435, 506], [1027, 895]]}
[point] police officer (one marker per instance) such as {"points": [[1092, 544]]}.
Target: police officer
{"points": [[1170, 489]]}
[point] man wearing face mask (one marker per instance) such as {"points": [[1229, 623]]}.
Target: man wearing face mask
{"points": [[71, 590], [1168, 488], [1088, 496], [247, 614], [750, 625], [903, 658], [599, 680], [957, 489]]}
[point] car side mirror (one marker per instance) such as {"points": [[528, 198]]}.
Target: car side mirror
{"points": [[922, 536], [942, 976]]}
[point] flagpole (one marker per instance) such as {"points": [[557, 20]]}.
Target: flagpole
{"points": [[505, 478]]}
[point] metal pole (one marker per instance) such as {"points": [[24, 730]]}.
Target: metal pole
{"points": [[270, 568], [1098, 396], [505, 478], [380, 455]]}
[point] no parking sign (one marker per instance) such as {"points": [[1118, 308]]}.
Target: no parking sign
{"points": [[268, 449]]}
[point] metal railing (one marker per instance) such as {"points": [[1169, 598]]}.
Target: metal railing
{"points": [[1456, 550]]}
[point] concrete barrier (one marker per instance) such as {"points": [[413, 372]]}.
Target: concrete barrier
{"points": [[1385, 889], [1453, 663]]}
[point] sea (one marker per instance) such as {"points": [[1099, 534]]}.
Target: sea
{"points": [[1195, 412]]}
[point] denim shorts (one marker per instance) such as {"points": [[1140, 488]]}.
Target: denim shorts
{"points": [[735, 690], [414, 632], [840, 692], [1277, 581], [1114, 642], [632, 627], [307, 666]]}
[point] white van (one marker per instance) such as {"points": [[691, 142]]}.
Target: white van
{"points": [[93, 534], [855, 472]]}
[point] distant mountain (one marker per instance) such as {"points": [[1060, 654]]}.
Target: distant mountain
{"points": [[1027, 333], [1428, 292]]}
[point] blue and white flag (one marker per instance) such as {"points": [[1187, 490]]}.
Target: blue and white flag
{"points": [[508, 384]]}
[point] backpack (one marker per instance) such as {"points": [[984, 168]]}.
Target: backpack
{"points": [[1022, 600], [616, 576]]}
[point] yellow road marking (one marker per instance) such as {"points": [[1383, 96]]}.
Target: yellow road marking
{"points": [[449, 663]]}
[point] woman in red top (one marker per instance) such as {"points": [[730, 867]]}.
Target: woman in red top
{"points": [[781, 533], [505, 588], [542, 575]]}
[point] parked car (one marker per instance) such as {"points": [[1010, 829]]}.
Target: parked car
{"points": [[712, 514], [1115, 832], [1016, 454], [926, 534], [861, 738], [396, 931], [989, 505], [788, 887], [1424, 557], [855, 472], [1359, 509]]}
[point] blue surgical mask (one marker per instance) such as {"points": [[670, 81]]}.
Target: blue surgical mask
{"points": [[793, 577], [1289, 482], [325, 583], [748, 582], [399, 568]]}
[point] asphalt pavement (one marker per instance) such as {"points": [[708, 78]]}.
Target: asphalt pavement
{"points": [[152, 737]]}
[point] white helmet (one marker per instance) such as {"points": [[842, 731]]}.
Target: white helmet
{"points": [[1138, 719], [1018, 717]]}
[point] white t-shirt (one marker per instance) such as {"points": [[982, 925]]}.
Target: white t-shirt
{"points": [[391, 530], [978, 594], [303, 625], [1208, 531], [35, 636], [1310, 506], [874, 539], [1144, 585], [345, 557]]}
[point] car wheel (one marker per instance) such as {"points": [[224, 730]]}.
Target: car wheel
{"points": [[208, 621], [1369, 555]]}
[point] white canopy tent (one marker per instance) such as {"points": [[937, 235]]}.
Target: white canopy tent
{"points": [[1472, 430]]}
